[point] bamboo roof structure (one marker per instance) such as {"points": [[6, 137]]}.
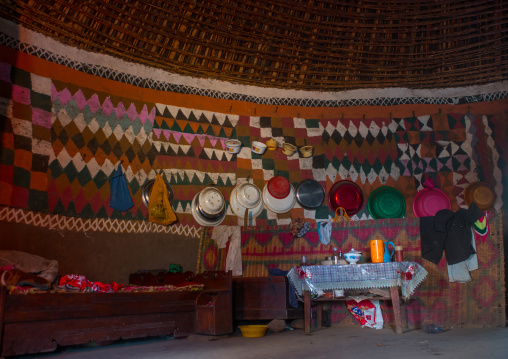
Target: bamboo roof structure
{"points": [[316, 45]]}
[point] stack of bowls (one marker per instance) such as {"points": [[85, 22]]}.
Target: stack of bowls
{"points": [[209, 207], [246, 201], [279, 195]]}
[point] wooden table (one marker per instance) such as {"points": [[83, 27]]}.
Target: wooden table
{"points": [[308, 280]]}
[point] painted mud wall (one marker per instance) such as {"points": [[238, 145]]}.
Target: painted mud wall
{"points": [[66, 127]]}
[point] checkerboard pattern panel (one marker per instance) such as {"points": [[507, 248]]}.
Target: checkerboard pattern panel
{"points": [[25, 112], [259, 169]]}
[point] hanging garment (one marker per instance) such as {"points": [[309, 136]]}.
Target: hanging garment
{"points": [[221, 234], [449, 231], [460, 272], [432, 242], [120, 198], [457, 226]]}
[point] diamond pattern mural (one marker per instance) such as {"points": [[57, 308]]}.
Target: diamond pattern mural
{"points": [[93, 133]]}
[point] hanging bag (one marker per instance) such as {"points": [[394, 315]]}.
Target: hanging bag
{"points": [[325, 231], [120, 198], [341, 216], [159, 208]]}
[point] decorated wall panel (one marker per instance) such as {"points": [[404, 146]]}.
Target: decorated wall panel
{"points": [[62, 143]]}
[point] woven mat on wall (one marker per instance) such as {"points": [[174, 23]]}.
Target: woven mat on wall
{"points": [[480, 302]]}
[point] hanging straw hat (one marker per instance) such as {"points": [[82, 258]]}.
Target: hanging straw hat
{"points": [[481, 194]]}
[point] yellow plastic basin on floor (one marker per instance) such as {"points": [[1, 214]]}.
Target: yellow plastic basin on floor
{"points": [[253, 331]]}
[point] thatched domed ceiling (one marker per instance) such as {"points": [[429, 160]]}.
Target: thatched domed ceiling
{"points": [[321, 45]]}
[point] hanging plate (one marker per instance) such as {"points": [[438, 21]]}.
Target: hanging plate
{"points": [[310, 194]]}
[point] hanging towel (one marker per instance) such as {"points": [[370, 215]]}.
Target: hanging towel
{"points": [[120, 198]]}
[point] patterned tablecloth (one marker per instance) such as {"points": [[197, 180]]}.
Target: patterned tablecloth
{"points": [[406, 275]]}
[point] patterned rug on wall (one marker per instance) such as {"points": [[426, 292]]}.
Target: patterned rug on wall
{"points": [[61, 144], [480, 302]]}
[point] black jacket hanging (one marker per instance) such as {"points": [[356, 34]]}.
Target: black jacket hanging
{"points": [[449, 231]]}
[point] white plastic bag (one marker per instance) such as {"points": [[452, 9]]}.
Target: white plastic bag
{"points": [[367, 312]]}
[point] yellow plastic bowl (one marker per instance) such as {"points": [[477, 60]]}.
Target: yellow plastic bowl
{"points": [[253, 331]]}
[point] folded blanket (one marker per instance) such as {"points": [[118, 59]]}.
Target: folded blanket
{"points": [[22, 279], [30, 263]]}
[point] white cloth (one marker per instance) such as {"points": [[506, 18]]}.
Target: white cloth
{"points": [[325, 231], [221, 234], [459, 272]]}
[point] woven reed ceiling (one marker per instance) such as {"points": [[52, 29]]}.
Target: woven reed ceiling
{"points": [[322, 45]]}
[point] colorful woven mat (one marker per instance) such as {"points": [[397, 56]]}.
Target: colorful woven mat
{"points": [[480, 302]]}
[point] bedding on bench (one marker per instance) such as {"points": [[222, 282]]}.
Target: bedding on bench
{"points": [[35, 321]]}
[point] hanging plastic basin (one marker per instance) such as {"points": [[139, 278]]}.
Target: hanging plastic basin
{"points": [[429, 201], [346, 194], [386, 202], [278, 187]]}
